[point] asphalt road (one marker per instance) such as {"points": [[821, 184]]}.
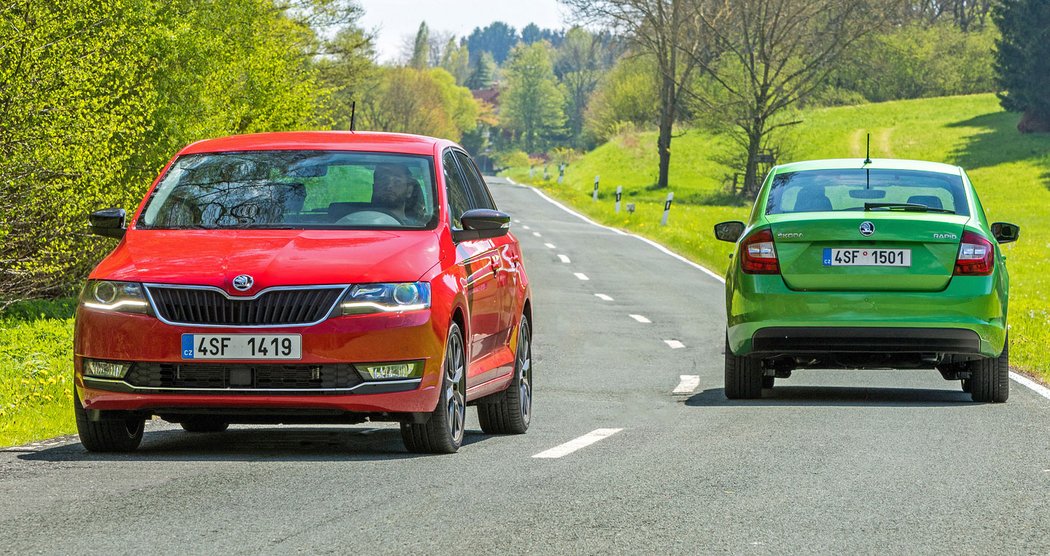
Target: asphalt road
{"points": [[828, 461]]}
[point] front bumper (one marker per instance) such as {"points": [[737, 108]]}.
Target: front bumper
{"points": [[766, 317], [333, 342]]}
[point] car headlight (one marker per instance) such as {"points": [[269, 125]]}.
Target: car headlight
{"points": [[107, 295], [386, 298]]}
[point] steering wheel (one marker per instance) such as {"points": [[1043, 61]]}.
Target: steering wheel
{"points": [[371, 217]]}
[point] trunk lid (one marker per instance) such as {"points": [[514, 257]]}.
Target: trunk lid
{"points": [[804, 242]]}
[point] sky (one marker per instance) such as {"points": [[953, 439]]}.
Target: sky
{"points": [[393, 20]]}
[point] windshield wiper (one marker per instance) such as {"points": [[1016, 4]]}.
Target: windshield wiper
{"points": [[907, 207]]}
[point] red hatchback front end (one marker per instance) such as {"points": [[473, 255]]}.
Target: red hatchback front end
{"points": [[301, 277]]}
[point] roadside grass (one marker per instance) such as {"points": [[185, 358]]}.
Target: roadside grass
{"points": [[36, 371], [1010, 171]]}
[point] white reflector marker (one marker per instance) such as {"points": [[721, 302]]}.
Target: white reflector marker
{"points": [[640, 319], [687, 384], [674, 344], [581, 276], [603, 297], [564, 259], [573, 445]]}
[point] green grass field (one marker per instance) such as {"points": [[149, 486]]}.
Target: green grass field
{"points": [[36, 371], [1011, 172]]}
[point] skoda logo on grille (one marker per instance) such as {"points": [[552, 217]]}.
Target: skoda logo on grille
{"points": [[867, 228], [243, 283]]}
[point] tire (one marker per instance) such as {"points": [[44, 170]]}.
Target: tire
{"points": [[743, 376], [204, 424], [121, 434], [965, 384], [510, 411], [768, 382], [990, 378], [442, 433]]}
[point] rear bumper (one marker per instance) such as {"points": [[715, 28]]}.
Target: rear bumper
{"points": [[766, 317]]}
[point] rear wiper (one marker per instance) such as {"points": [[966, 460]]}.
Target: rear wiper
{"points": [[908, 207]]}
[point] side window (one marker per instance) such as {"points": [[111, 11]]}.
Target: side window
{"points": [[479, 191], [458, 201]]}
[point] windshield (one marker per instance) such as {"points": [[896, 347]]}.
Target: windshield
{"points": [[294, 189], [852, 189]]}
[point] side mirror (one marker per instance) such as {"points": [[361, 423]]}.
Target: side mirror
{"points": [[482, 224], [1005, 232], [108, 222], [729, 231]]}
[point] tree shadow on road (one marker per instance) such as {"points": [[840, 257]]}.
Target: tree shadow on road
{"points": [[834, 396], [255, 444]]}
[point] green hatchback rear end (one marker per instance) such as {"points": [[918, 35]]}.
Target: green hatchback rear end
{"points": [[867, 264]]}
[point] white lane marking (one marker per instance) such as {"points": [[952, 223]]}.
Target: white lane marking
{"points": [[603, 297], [550, 246], [525, 228], [686, 384], [581, 276], [537, 234], [623, 233], [1031, 384], [564, 259], [674, 344], [1024, 381], [640, 319], [516, 221], [575, 444]]}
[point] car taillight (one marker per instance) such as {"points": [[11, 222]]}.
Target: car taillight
{"points": [[976, 256], [758, 255]]}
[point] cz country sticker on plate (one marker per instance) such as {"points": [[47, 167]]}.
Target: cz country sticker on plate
{"points": [[242, 346], [867, 257]]}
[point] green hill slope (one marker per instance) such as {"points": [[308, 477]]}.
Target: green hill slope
{"points": [[1011, 173]]}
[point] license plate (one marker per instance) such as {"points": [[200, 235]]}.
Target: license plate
{"points": [[242, 346], [867, 257]]}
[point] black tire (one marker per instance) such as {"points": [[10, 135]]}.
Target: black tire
{"points": [[442, 433], [743, 376], [204, 424], [121, 434], [768, 382], [990, 378], [510, 411]]}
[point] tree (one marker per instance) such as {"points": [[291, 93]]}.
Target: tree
{"points": [[484, 72], [773, 54], [580, 62], [532, 102], [345, 69], [1023, 61], [425, 102], [455, 59], [666, 30], [497, 39], [421, 48], [623, 98]]}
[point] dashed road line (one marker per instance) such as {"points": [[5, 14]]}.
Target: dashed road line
{"points": [[577, 443], [640, 319], [537, 234], [674, 344], [581, 276], [687, 384], [550, 246], [603, 297], [525, 228], [564, 259]]}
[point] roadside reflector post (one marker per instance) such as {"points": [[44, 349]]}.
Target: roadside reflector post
{"points": [[619, 194], [561, 173], [667, 208], [546, 173], [595, 196], [532, 171]]}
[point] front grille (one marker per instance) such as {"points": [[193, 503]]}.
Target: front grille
{"points": [[240, 376], [275, 307]]}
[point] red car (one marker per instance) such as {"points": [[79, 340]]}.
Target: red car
{"points": [[307, 277]]}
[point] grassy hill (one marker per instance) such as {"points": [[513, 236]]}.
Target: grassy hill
{"points": [[1011, 173]]}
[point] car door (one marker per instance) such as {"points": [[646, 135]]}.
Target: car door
{"points": [[505, 249], [478, 259]]}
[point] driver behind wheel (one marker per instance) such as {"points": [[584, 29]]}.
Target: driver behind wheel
{"points": [[397, 193]]}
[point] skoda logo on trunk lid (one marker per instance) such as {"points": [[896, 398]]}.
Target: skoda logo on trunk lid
{"points": [[867, 228], [243, 283]]}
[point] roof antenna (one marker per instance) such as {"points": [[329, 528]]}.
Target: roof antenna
{"points": [[867, 159], [353, 112]]}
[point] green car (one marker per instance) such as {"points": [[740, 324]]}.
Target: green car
{"points": [[867, 264]]}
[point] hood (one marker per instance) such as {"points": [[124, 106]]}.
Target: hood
{"points": [[270, 257]]}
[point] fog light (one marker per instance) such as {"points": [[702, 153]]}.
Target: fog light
{"points": [[105, 369], [391, 371]]}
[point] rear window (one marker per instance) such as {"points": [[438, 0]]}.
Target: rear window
{"points": [[294, 189], [850, 189]]}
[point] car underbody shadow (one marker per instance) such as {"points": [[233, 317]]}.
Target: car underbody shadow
{"points": [[256, 443], [841, 396]]}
